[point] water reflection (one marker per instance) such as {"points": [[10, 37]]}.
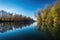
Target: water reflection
{"points": [[52, 31], [5, 26]]}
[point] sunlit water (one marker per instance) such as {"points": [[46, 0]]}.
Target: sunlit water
{"points": [[19, 31]]}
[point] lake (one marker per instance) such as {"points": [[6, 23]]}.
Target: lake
{"points": [[29, 31]]}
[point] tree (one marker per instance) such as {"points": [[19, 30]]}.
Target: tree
{"points": [[38, 16], [45, 13], [49, 18], [55, 12]]}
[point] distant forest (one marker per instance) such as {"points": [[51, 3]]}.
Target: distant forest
{"points": [[9, 17]]}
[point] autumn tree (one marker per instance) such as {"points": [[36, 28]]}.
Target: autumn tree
{"points": [[38, 16], [55, 12], [45, 13], [49, 18]]}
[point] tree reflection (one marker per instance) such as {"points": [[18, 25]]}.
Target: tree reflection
{"points": [[5, 26], [52, 31]]}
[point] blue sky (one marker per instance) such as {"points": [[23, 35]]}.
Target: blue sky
{"points": [[24, 7]]}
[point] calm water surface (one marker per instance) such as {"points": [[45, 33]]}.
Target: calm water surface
{"points": [[29, 31]]}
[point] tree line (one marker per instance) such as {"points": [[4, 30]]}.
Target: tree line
{"points": [[49, 14], [16, 17]]}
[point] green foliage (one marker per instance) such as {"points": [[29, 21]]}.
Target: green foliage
{"points": [[45, 13], [55, 11], [38, 16], [49, 15]]}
